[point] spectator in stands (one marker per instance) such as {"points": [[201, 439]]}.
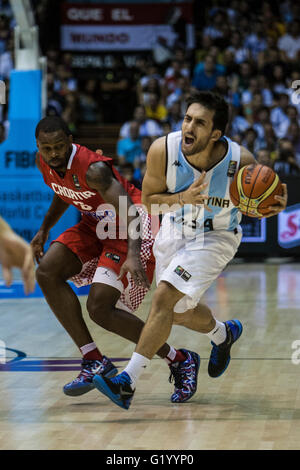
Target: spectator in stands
{"points": [[147, 127], [206, 42], [286, 164], [229, 93], [262, 118], [88, 104], [180, 93], [117, 93], [205, 75], [289, 43], [278, 79], [256, 42], [240, 52], [245, 73], [151, 72], [263, 157], [130, 149], [279, 118], [153, 86], [70, 113], [239, 123], [180, 56], [175, 117], [293, 135], [251, 141], [154, 109], [214, 30], [173, 76], [64, 79]]}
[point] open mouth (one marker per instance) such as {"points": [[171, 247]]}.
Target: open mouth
{"points": [[188, 140]]}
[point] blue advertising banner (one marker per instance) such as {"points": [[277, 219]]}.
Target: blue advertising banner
{"points": [[24, 197]]}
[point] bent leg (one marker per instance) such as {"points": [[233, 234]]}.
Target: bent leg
{"points": [[159, 323], [198, 319], [102, 309], [57, 266]]}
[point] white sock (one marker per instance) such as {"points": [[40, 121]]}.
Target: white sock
{"points": [[87, 348], [218, 333], [171, 355], [135, 367]]}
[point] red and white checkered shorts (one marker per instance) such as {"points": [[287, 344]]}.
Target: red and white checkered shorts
{"points": [[82, 240]]}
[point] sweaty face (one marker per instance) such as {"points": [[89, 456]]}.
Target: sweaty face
{"points": [[55, 148], [197, 128]]}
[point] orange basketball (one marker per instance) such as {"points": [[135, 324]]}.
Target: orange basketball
{"points": [[253, 190]]}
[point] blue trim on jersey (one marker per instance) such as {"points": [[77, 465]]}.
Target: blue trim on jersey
{"points": [[234, 219], [184, 173], [218, 185]]}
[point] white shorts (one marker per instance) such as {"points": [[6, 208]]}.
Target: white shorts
{"points": [[191, 266]]}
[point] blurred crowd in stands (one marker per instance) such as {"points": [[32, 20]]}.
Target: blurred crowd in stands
{"points": [[249, 52]]}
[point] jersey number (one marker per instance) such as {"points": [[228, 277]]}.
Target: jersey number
{"points": [[82, 206], [208, 223]]}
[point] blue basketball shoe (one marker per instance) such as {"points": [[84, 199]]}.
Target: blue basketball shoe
{"points": [[220, 355], [118, 389], [185, 375], [89, 368]]}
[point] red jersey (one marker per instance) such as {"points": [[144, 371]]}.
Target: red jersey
{"points": [[73, 188]]}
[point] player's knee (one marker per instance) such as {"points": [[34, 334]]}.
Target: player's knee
{"points": [[100, 311], [165, 297], [44, 274]]}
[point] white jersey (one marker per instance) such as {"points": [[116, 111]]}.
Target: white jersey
{"points": [[180, 174]]}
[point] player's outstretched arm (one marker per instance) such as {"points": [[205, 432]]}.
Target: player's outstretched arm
{"points": [[100, 177], [16, 252], [56, 210]]}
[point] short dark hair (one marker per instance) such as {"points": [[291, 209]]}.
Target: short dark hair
{"points": [[213, 102], [52, 124]]}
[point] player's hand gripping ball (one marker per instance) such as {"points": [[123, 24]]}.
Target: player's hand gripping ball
{"points": [[253, 190]]}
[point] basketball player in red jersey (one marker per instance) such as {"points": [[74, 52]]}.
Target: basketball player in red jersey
{"points": [[87, 180]]}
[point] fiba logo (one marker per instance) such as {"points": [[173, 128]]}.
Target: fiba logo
{"points": [[2, 352], [2, 92], [296, 354]]}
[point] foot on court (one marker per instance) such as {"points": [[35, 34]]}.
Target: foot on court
{"points": [[220, 355], [185, 376], [84, 382], [118, 389]]}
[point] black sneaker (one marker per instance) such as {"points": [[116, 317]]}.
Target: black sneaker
{"points": [[220, 355]]}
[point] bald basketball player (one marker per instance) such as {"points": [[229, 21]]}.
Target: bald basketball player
{"points": [[119, 269], [192, 168]]}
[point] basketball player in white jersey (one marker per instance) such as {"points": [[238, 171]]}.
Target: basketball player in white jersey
{"points": [[192, 169]]}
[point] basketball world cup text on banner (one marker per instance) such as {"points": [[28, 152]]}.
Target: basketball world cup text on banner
{"points": [[125, 27]]}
